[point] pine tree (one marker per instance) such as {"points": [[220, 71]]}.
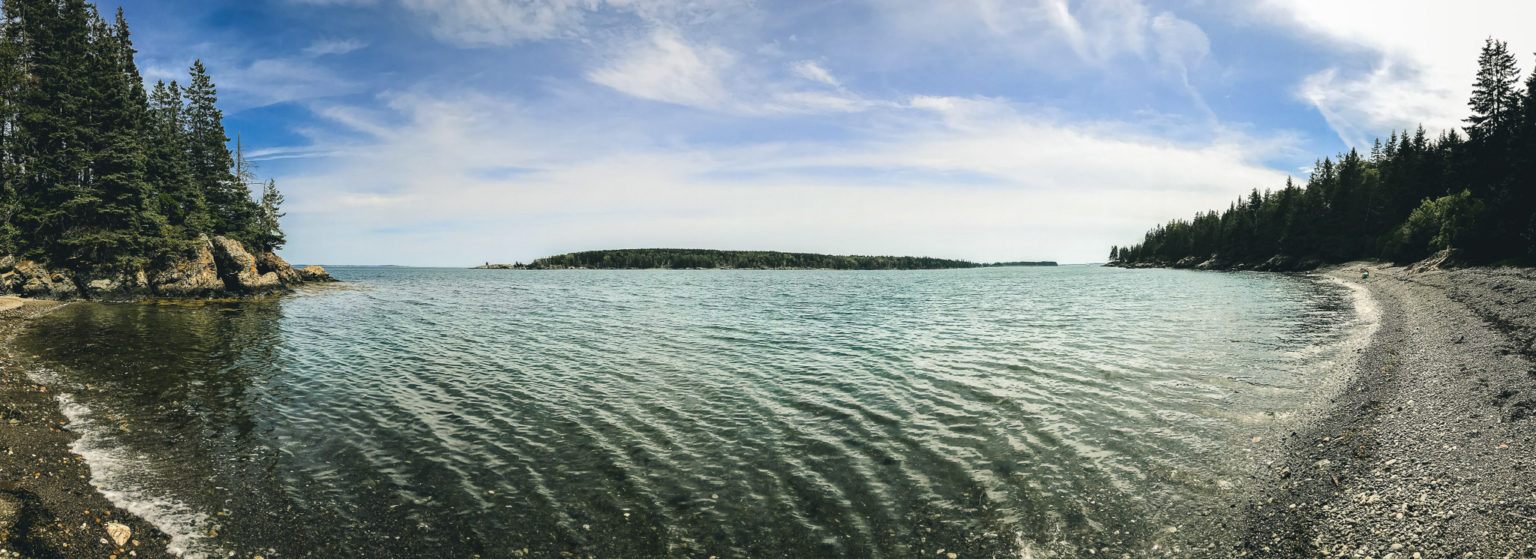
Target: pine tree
{"points": [[1496, 93]]}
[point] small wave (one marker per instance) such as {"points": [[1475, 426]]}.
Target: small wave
{"points": [[114, 472]]}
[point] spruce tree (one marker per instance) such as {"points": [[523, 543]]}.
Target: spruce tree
{"points": [[1495, 93], [112, 226], [269, 221], [231, 211], [51, 123], [169, 166]]}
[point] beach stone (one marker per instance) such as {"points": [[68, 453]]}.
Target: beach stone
{"points": [[119, 533]]}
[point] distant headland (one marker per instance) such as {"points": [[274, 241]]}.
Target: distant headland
{"points": [[683, 259]]}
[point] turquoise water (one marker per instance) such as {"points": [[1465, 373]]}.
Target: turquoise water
{"points": [[449, 413]]}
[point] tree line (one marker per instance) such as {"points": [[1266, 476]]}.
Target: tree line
{"points": [[735, 259], [1411, 196], [96, 173]]}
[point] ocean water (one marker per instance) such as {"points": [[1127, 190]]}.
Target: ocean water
{"points": [[494, 413]]}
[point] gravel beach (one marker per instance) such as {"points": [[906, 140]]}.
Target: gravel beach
{"points": [[48, 507], [1429, 450]]}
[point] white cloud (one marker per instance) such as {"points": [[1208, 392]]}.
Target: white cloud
{"points": [[813, 71], [333, 47], [1423, 58], [666, 68]]}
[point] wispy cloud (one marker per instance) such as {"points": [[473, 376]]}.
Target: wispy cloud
{"points": [[334, 47], [666, 68]]}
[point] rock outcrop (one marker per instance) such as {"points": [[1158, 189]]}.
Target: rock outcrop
{"points": [[315, 274], [238, 268], [269, 262], [209, 268], [195, 275]]}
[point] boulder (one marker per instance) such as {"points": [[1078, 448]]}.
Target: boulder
{"points": [[7, 263], [33, 280], [193, 275], [272, 263], [100, 287], [314, 273], [238, 268]]}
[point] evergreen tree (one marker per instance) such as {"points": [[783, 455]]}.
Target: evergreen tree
{"points": [[269, 221], [169, 166], [231, 210], [111, 222], [10, 77], [50, 122], [1495, 93]]}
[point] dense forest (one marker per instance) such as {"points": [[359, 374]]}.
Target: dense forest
{"points": [[732, 259], [1411, 196], [98, 174]]}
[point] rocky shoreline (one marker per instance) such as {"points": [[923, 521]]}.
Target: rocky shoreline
{"points": [[212, 267], [1427, 451], [48, 506]]}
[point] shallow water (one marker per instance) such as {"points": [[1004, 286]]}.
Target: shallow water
{"points": [[446, 413]]}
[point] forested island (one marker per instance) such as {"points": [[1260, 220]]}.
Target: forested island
{"points": [[1472, 195], [1019, 264], [668, 258], [109, 189]]}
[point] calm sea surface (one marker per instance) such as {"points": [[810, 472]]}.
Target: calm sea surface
{"points": [[449, 413]]}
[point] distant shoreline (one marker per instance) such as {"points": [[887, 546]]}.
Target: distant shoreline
{"points": [[708, 259]]}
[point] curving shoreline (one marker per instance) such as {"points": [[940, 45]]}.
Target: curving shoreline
{"points": [[48, 505], [1427, 450]]}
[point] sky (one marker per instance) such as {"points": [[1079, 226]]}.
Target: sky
{"points": [[459, 132]]}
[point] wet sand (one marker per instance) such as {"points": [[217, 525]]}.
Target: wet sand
{"points": [[48, 507]]}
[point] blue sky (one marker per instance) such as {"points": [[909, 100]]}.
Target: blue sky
{"points": [[454, 132]]}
